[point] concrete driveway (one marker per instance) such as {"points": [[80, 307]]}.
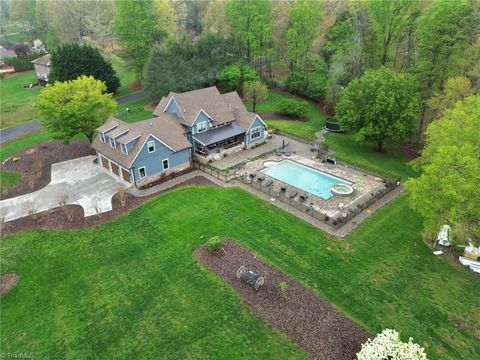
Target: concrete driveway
{"points": [[83, 182]]}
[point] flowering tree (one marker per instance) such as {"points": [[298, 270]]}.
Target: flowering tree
{"points": [[388, 346]]}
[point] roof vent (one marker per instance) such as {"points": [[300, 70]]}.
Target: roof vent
{"points": [[184, 110]]}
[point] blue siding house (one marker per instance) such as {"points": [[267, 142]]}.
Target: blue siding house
{"points": [[193, 123]]}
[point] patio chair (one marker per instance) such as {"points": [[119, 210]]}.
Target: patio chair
{"points": [[303, 198], [292, 194], [252, 175], [283, 189], [260, 179], [268, 183]]}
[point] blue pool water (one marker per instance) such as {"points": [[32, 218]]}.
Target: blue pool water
{"points": [[305, 178]]}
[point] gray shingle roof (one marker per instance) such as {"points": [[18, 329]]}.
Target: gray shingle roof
{"points": [[191, 102], [218, 134], [42, 60], [165, 127]]}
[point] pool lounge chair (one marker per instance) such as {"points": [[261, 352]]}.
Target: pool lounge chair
{"points": [[260, 179], [252, 175], [292, 194], [268, 183], [303, 198], [283, 189]]}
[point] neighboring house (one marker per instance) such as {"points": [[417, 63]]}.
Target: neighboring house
{"points": [[42, 68], [197, 121], [4, 53]]}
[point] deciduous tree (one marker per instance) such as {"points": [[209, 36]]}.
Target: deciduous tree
{"points": [[448, 191], [135, 27], [75, 107], [165, 18], [255, 92], [456, 88], [380, 106]]}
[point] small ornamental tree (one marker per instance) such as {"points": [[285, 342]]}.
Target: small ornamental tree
{"points": [[388, 346], [214, 244], [75, 107], [380, 106], [235, 75], [255, 92], [69, 61]]}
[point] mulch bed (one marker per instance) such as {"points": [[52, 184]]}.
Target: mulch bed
{"points": [[320, 330], [56, 218], [267, 115], [47, 153], [7, 282]]}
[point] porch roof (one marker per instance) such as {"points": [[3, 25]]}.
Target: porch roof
{"points": [[218, 134]]}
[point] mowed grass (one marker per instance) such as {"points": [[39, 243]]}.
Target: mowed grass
{"points": [[391, 162], [130, 288], [8, 180], [303, 129], [127, 77], [16, 101], [139, 110]]}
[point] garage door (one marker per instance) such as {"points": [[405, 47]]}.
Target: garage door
{"points": [[115, 169], [104, 162], [126, 175]]}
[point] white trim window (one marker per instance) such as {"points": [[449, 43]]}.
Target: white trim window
{"points": [[151, 146], [255, 133], [124, 149], [142, 172], [113, 144], [102, 137], [201, 126], [165, 164]]}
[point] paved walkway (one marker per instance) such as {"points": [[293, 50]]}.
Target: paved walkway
{"points": [[342, 232], [80, 180]]}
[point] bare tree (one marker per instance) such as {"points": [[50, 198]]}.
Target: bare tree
{"points": [[69, 211], [121, 195], [32, 210], [38, 162], [3, 216], [31, 180]]}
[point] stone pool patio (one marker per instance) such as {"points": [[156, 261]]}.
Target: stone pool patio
{"points": [[365, 184]]}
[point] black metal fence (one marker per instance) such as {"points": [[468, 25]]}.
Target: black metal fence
{"points": [[306, 207]]}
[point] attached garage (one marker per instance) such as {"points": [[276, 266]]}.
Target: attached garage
{"points": [[104, 162], [115, 169], [126, 175]]}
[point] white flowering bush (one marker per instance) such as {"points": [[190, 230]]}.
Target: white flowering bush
{"points": [[388, 346], [38, 46]]}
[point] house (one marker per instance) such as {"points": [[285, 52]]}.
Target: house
{"points": [[185, 125], [42, 68], [213, 121], [5, 53]]}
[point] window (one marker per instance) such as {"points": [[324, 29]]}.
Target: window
{"points": [[151, 146], [142, 172], [201, 127], [255, 133], [165, 164], [124, 149], [113, 145], [102, 137]]}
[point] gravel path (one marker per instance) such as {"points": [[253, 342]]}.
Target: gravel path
{"points": [[312, 323]]}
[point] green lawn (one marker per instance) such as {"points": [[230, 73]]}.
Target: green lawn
{"points": [[390, 163], [14, 146], [130, 289], [8, 180], [137, 111], [127, 77], [302, 129], [16, 101]]}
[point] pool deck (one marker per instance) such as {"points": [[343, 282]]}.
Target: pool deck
{"points": [[364, 184]]}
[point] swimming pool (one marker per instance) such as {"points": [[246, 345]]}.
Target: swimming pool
{"points": [[305, 178]]}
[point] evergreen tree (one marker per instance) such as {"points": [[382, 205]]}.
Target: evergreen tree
{"points": [[69, 61]]}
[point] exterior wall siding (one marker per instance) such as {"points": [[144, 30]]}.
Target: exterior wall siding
{"points": [[256, 123], [201, 118], [153, 161], [173, 108]]}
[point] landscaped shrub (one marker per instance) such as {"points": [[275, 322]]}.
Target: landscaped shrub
{"points": [[214, 244], [293, 107], [21, 62]]}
